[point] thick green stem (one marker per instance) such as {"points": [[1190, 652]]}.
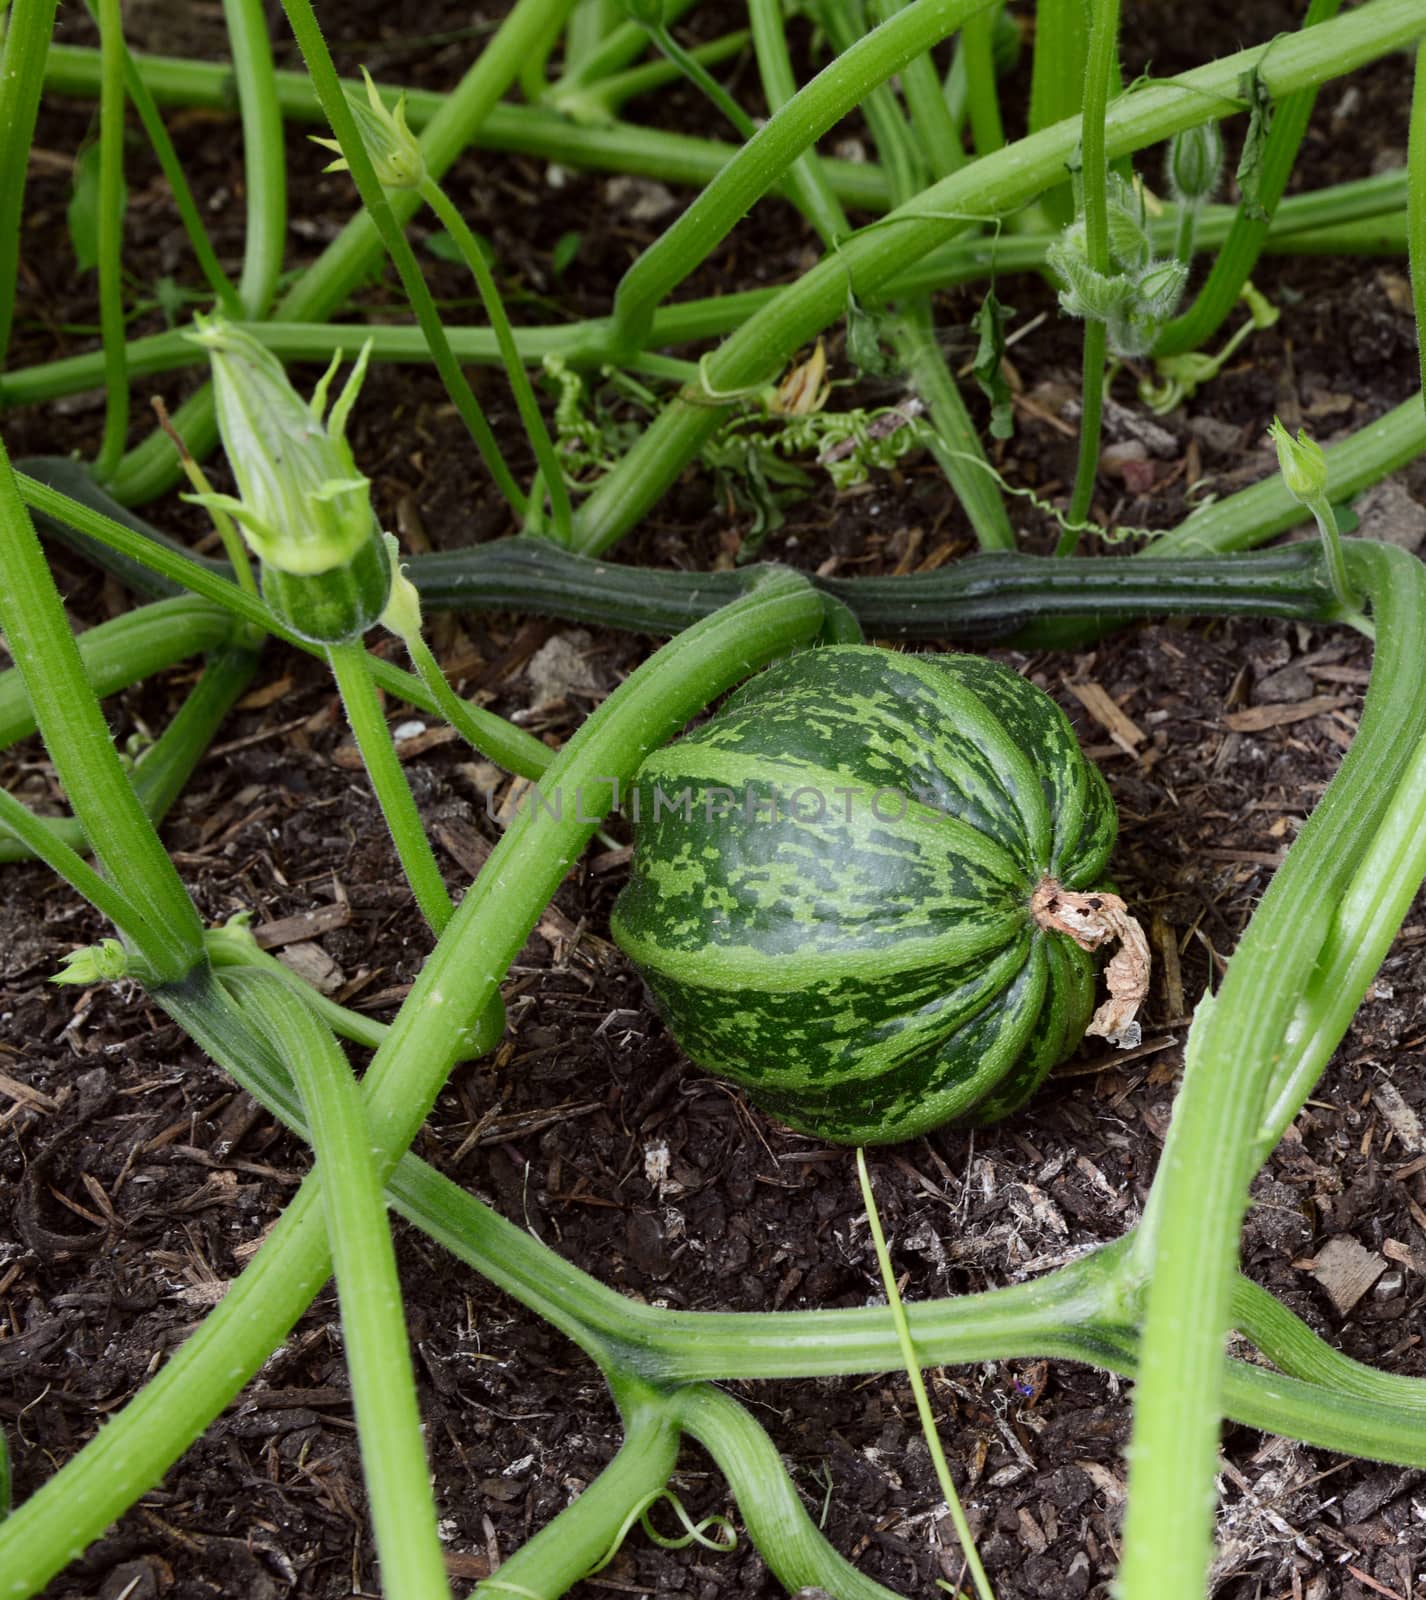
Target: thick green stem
{"points": [[1062, 29], [110, 240], [812, 190], [418, 861], [982, 99], [702, 80], [501, 741], [1254, 515], [522, 130], [162, 771], [22, 62], [153, 467], [1416, 206], [78, 742], [777, 1521], [622, 44], [525, 401], [766, 157], [378, 1357], [380, 208], [995, 185], [122, 651], [41, 840], [1369, 207], [264, 153], [581, 1538], [192, 219], [1188, 1244], [455, 986], [1365, 921], [1233, 265], [1100, 70]]}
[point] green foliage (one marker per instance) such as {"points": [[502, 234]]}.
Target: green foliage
{"points": [[987, 366], [82, 212], [1254, 91]]}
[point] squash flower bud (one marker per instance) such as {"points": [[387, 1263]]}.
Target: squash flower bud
{"points": [[302, 505], [1195, 163], [394, 151], [1302, 463]]}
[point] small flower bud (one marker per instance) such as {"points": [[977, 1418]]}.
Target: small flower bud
{"points": [[393, 150], [1195, 163], [402, 615], [302, 505], [1302, 463], [105, 962], [1160, 286]]}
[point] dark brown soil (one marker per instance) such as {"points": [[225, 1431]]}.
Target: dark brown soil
{"points": [[138, 1180]]}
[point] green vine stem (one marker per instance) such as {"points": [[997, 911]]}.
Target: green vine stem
{"points": [[765, 158], [693, 70], [45, 844], [381, 208], [599, 103], [1371, 909], [23, 52], [109, 247], [589, 23], [910, 328], [578, 1540], [1369, 209], [1077, 1312], [1233, 265], [814, 193], [378, 1355], [152, 467], [123, 651], [1100, 67], [621, 45], [912, 1363], [1254, 515], [1057, 85], [264, 153], [1415, 205], [551, 471], [162, 771], [169, 937], [983, 598], [199, 240], [492, 736], [777, 1521], [378, 753], [456, 985], [1189, 1239], [522, 130], [995, 185], [982, 99]]}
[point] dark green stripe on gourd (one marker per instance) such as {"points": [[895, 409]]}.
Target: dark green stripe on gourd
{"points": [[830, 891]]}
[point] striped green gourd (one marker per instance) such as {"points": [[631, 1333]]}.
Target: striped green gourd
{"points": [[830, 891]]}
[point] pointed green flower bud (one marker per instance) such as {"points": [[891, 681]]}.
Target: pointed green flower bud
{"points": [[1129, 245], [391, 147], [105, 962], [1302, 463], [402, 615], [1160, 286], [302, 505], [1195, 163]]}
